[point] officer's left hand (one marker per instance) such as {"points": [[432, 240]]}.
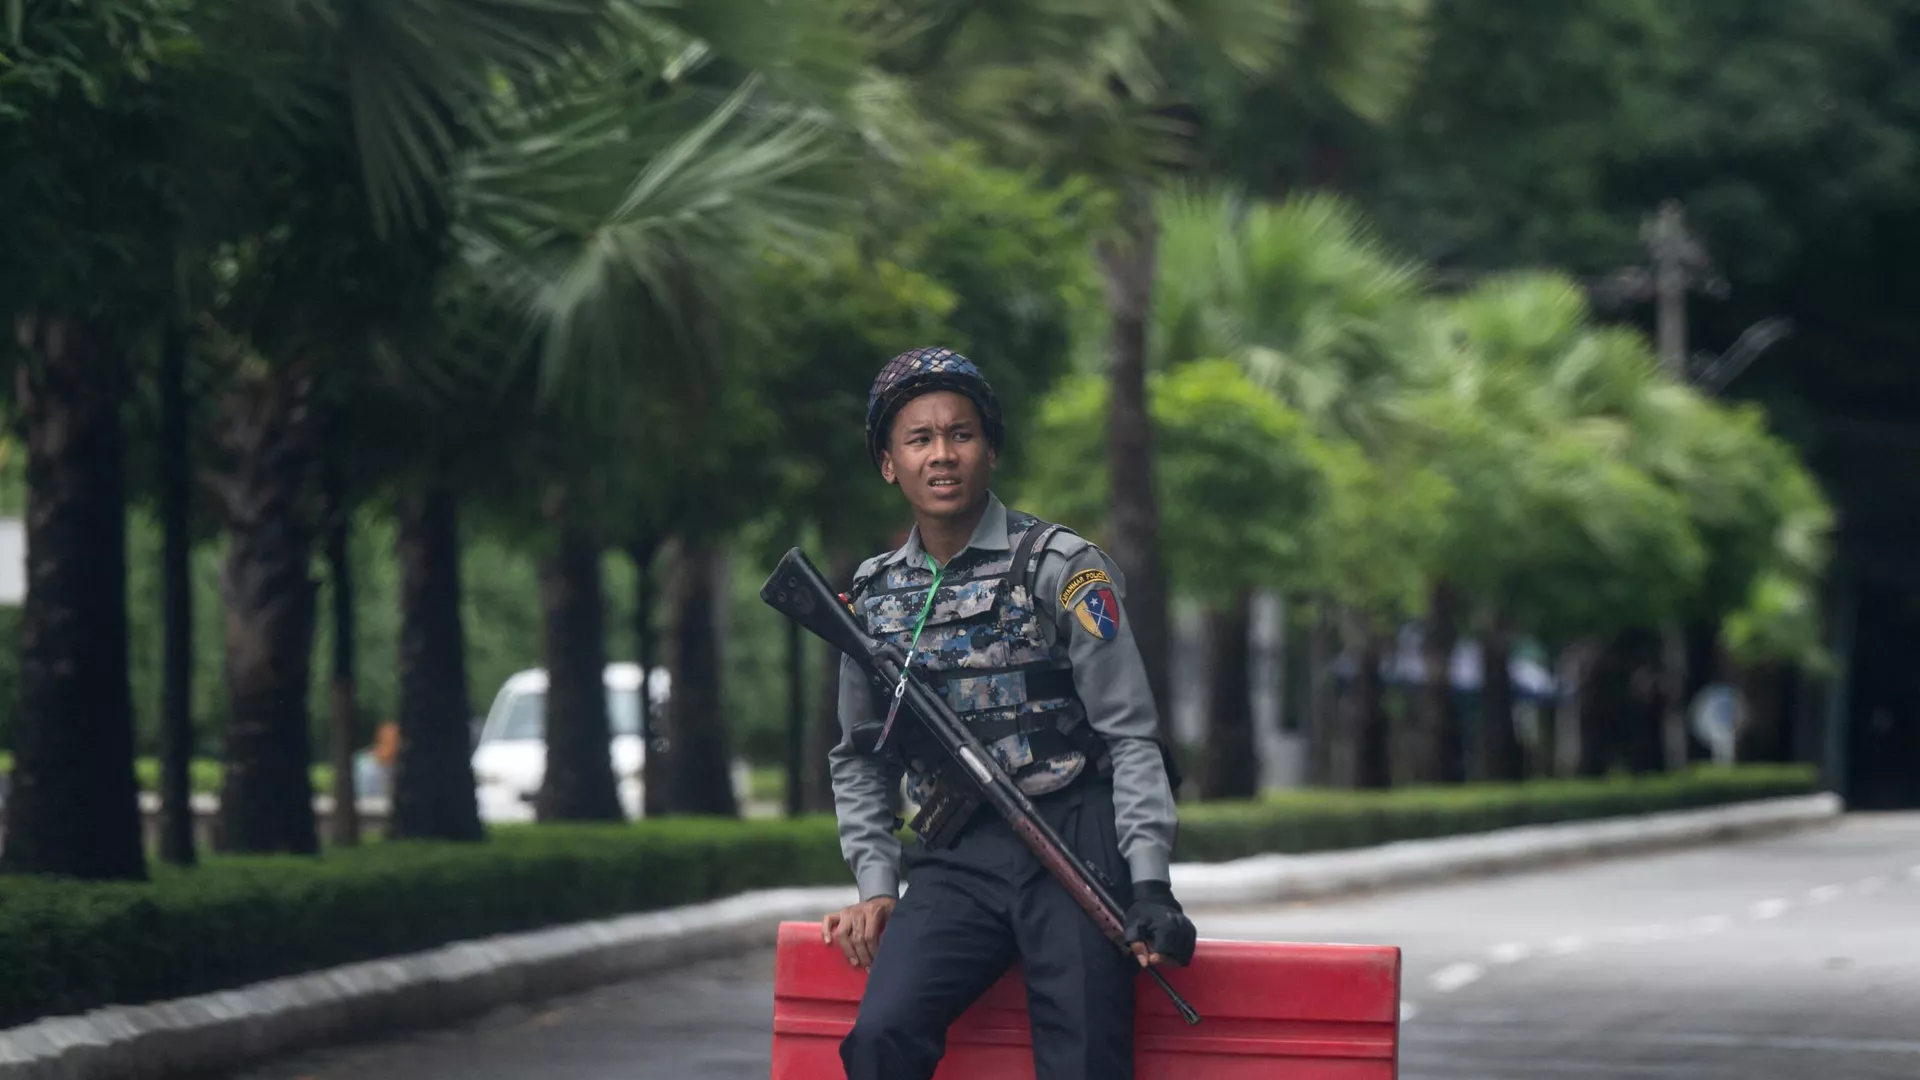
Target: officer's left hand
{"points": [[1157, 927]]}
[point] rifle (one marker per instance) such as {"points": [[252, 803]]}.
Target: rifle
{"points": [[797, 591]]}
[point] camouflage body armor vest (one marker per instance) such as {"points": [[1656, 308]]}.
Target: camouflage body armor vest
{"points": [[985, 650]]}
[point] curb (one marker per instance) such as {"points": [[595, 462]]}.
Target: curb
{"points": [[211, 1034], [214, 1033], [1266, 879]]}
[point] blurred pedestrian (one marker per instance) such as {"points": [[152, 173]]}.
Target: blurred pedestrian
{"points": [[373, 767]]}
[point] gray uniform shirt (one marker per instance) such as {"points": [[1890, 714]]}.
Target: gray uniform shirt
{"points": [[1112, 684]]}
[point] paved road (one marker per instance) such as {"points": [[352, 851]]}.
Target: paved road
{"points": [[1777, 959]]}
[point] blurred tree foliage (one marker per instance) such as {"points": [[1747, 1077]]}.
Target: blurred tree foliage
{"points": [[1242, 479], [657, 254]]}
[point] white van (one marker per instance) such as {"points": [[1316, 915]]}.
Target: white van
{"points": [[510, 757]]}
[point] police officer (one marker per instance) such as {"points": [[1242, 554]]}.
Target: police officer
{"points": [[1019, 624]]}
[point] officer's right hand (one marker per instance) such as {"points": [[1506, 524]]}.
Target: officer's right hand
{"points": [[857, 929]]}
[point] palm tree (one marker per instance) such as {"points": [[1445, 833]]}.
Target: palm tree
{"points": [[433, 790], [1304, 297], [84, 210], [416, 146], [1105, 90], [335, 125], [1540, 418], [617, 221]]}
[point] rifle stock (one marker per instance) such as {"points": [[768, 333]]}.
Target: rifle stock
{"points": [[797, 590]]}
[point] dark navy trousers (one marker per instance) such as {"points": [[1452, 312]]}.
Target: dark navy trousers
{"points": [[969, 912]]}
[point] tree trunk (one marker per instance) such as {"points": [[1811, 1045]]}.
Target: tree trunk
{"points": [[796, 720], [1500, 757], [343, 732], [579, 783], [1764, 688], [1134, 514], [1322, 717], [1232, 756], [1440, 718], [700, 782], [1674, 742], [433, 785], [653, 766], [73, 805], [824, 734], [1606, 709], [1372, 754], [1648, 673], [176, 607], [1571, 719], [266, 795]]}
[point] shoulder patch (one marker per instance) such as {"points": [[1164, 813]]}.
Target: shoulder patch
{"points": [[1080, 582], [1098, 612]]}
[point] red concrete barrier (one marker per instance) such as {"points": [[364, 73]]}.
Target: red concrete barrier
{"points": [[1303, 1012]]}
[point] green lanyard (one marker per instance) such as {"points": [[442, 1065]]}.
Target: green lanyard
{"points": [[938, 572], [900, 688]]}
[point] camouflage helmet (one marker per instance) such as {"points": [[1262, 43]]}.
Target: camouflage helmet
{"points": [[924, 371]]}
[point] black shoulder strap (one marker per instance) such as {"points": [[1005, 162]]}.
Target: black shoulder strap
{"points": [[861, 581], [1025, 563]]}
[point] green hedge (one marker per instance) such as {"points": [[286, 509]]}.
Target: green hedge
{"points": [[69, 946], [1303, 821], [204, 774]]}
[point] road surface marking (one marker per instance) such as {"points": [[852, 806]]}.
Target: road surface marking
{"points": [[1486, 1033], [1408, 1010], [1509, 951], [1457, 975], [1634, 935], [1561, 946], [1454, 976]]}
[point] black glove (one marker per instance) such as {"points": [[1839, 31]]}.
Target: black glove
{"points": [[1156, 919]]}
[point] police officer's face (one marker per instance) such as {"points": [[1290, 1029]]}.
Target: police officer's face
{"points": [[938, 454]]}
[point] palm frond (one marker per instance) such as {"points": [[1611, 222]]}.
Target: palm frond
{"points": [[1366, 52], [418, 74], [610, 249], [1255, 36]]}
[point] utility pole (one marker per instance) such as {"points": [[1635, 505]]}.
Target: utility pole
{"points": [[1680, 264], [1677, 257]]}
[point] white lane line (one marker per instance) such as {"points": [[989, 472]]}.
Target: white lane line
{"points": [[1656, 932], [1454, 976], [1508, 952], [1561, 946], [1746, 1040]]}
